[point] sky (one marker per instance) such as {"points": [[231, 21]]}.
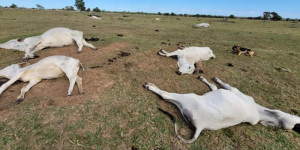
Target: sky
{"points": [[240, 8]]}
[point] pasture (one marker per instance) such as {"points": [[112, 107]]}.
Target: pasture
{"points": [[116, 112]]}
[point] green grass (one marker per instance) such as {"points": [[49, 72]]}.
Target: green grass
{"points": [[125, 114]]}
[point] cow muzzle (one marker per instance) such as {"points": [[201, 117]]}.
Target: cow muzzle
{"points": [[178, 72]]}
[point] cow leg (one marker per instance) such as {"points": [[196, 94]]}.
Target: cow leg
{"points": [[210, 85], [224, 85], [79, 44], [166, 54], [71, 72], [88, 44], [198, 67], [79, 84], [25, 89], [177, 99]]}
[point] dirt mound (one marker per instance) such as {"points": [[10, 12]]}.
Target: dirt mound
{"points": [[54, 92]]}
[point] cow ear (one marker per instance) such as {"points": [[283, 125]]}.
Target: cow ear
{"points": [[297, 128], [23, 64]]}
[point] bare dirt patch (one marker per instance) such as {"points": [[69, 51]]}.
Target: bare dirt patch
{"points": [[54, 92]]}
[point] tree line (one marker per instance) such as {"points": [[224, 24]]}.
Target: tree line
{"points": [[80, 5]]}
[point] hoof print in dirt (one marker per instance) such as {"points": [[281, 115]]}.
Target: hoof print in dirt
{"points": [[156, 30], [120, 34], [94, 26], [230, 65], [123, 54]]}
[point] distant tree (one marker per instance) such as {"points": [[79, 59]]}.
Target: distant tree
{"points": [[40, 6], [159, 13], [173, 14], [88, 10], [79, 4], [232, 16], [275, 16], [287, 19], [197, 15], [69, 8], [266, 15], [166, 14], [96, 9], [13, 6]]}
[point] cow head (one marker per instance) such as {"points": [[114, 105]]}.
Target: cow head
{"points": [[11, 70], [15, 44], [185, 67]]}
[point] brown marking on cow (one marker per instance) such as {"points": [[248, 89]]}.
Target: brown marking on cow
{"points": [[23, 64]]}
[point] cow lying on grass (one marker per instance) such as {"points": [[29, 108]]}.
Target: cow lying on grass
{"points": [[47, 68], [190, 58], [223, 108], [56, 37]]}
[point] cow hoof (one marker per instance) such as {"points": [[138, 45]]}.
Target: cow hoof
{"points": [[19, 100], [36, 56], [200, 78], [81, 93], [69, 94], [145, 85], [215, 79], [78, 52], [95, 48], [200, 71]]}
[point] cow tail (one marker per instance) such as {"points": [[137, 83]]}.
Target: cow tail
{"points": [[81, 66], [196, 134]]}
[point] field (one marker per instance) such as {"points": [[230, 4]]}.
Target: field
{"points": [[116, 112]]}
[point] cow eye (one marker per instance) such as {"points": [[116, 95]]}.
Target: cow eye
{"points": [[189, 67]]}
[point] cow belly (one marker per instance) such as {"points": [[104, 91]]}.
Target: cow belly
{"points": [[49, 72], [58, 41]]}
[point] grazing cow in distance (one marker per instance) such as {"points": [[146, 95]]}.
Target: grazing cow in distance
{"points": [[222, 108], [48, 68], [190, 58], [56, 37]]}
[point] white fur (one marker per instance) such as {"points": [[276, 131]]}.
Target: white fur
{"points": [[56, 37], [187, 57], [206, 25], [47, 68], [95, 17], [223, 108]]}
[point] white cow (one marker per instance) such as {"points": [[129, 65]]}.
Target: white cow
{"points": [[56, 37], [206, 25], [47, 68], [223, 108], [95, 17], [190, 57]]}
